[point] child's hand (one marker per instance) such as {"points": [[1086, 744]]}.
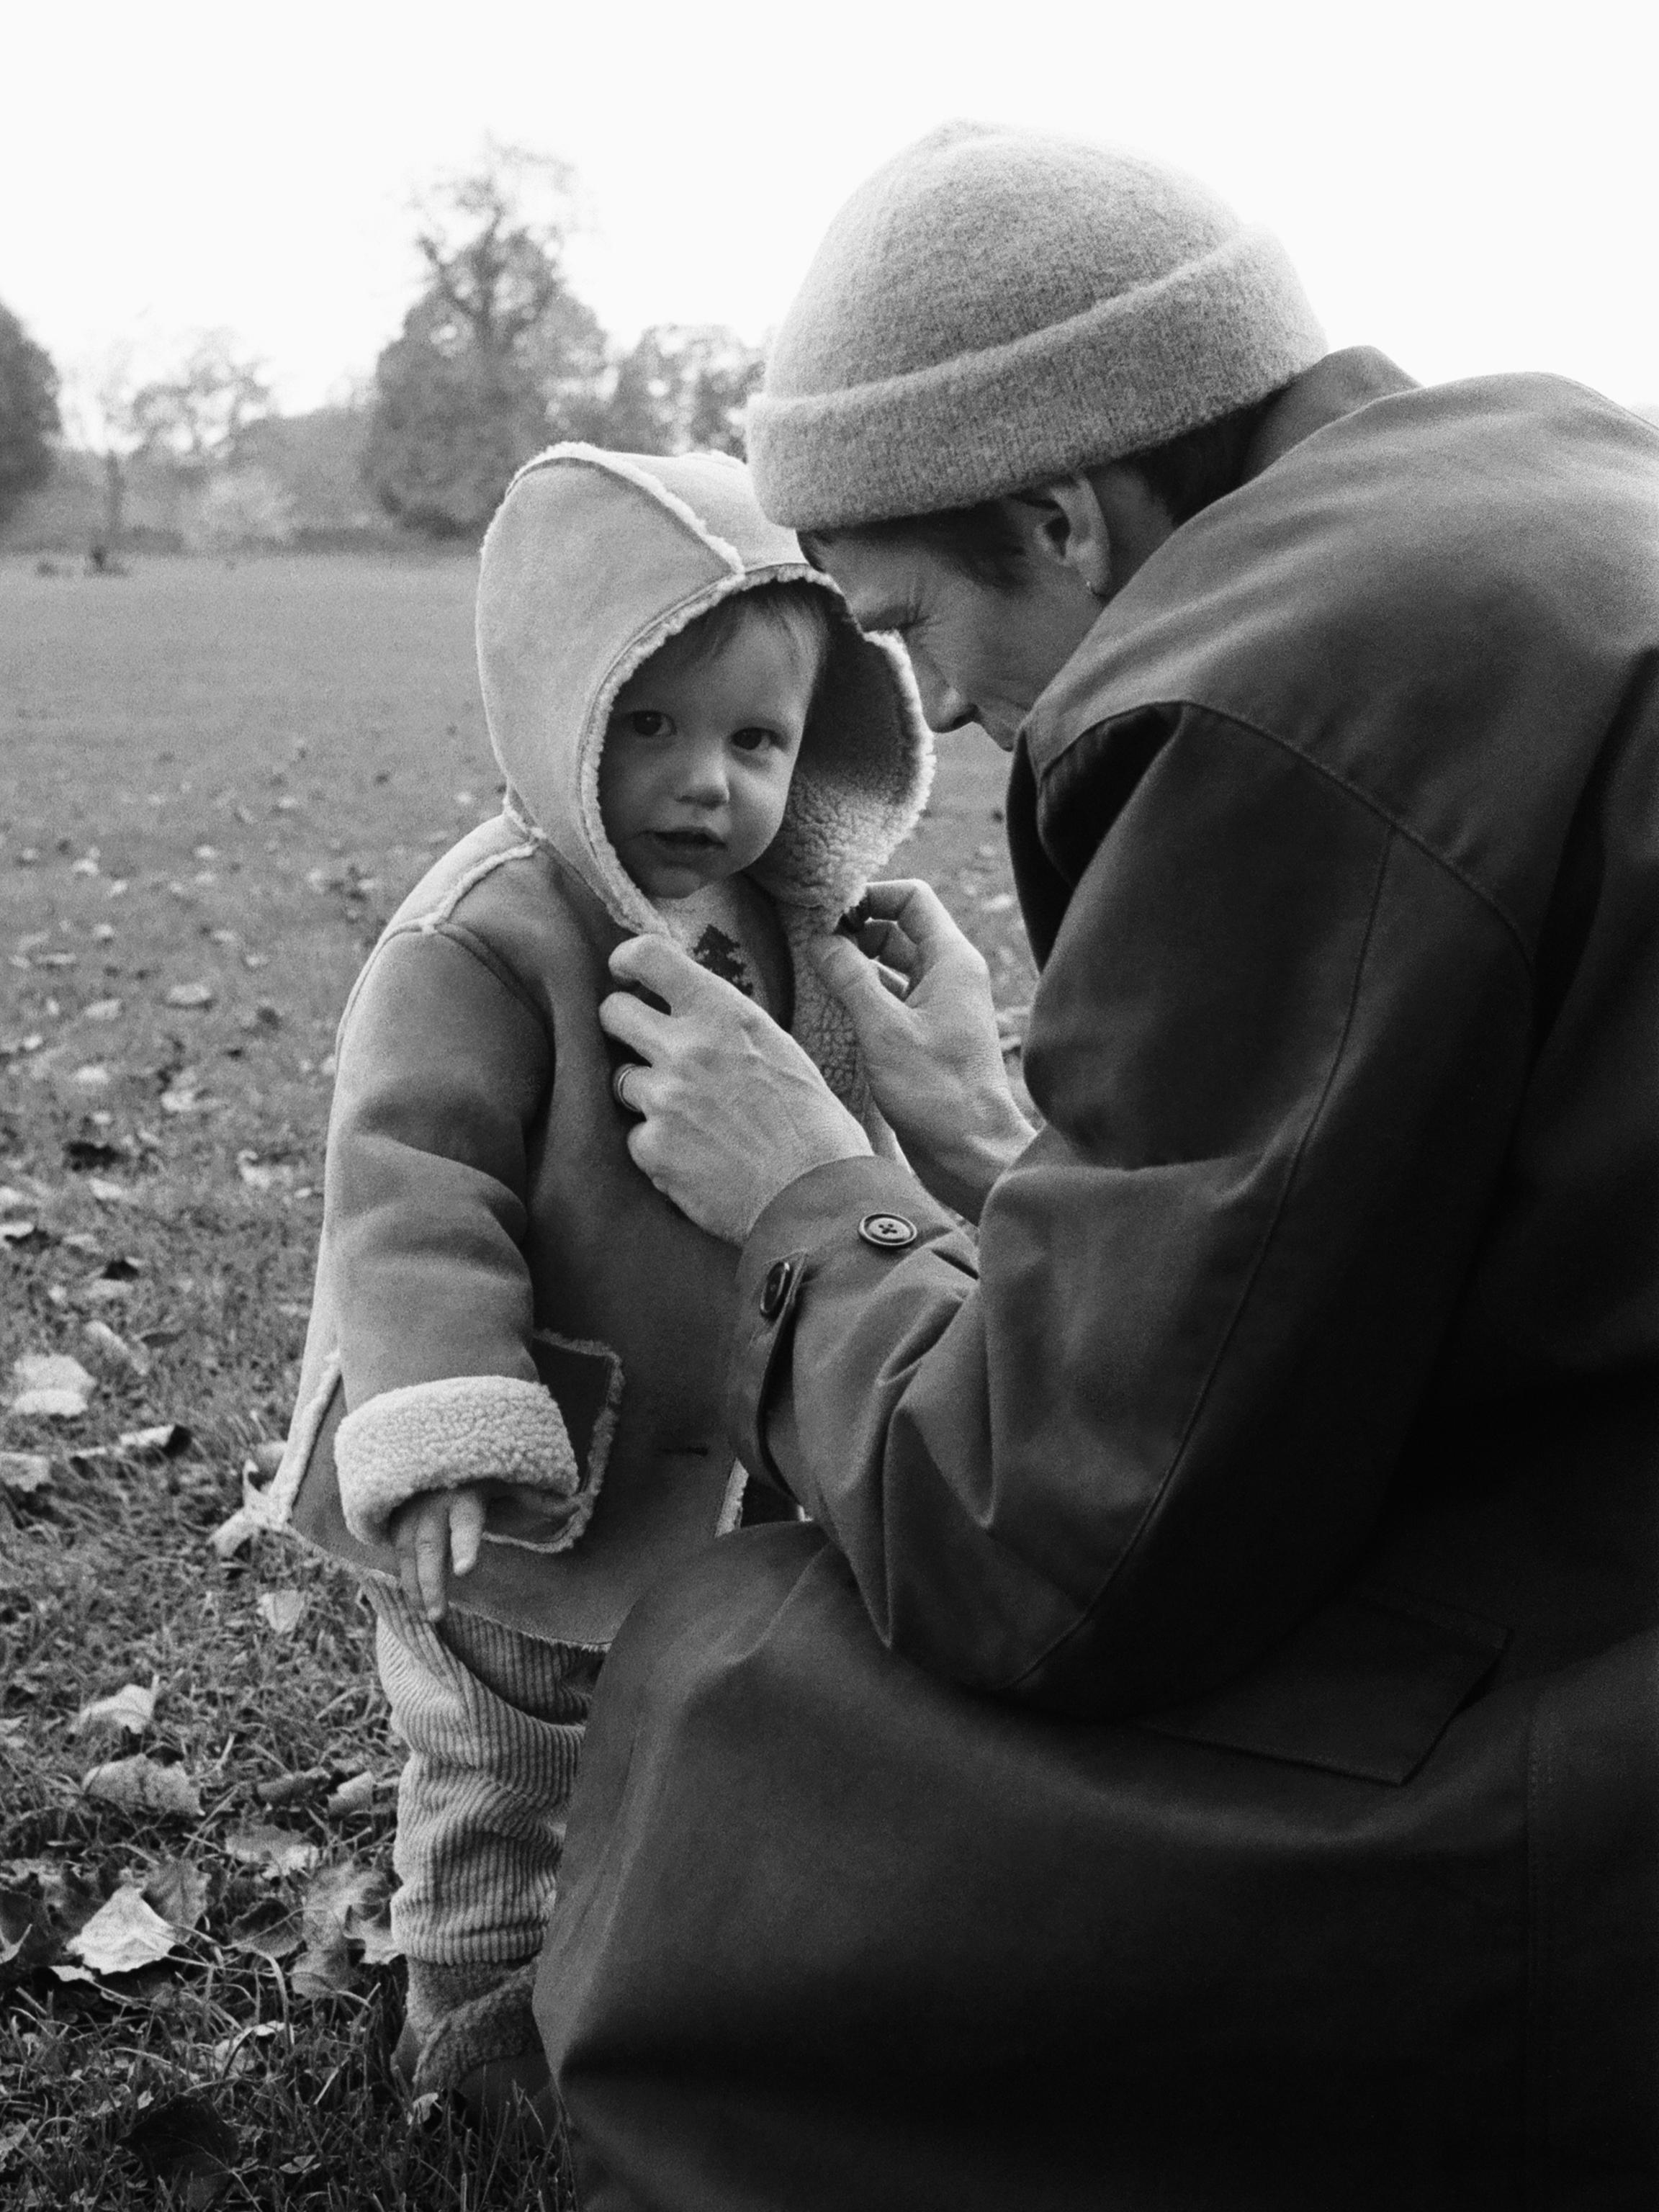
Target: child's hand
{"points": [[434, 1533]]}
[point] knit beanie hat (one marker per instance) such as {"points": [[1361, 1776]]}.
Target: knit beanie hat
{"points": [[995, 307]]}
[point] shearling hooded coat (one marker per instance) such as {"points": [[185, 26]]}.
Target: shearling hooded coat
{"points": [[501, 1297], [1204, 1754]]}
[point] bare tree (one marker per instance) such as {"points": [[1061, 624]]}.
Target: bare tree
{"points": [[196, 415]]}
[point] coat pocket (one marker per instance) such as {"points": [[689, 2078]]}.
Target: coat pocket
{"points": [[1366, 1688]]}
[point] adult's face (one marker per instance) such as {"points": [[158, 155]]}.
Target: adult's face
{"points": [[985, 652], [981, 653]]}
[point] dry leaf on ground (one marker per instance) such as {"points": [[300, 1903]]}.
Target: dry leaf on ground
{"points": [[179, 1890], [142, 1785], [122, 1936], [355, 1795], [104, 1338], [132, 1707], [281, 1850], [53, 1384], [191, 996], [24, 1472], [344, 1912], [282, 1610]]}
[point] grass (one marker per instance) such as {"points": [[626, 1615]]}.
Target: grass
{"points": [[221, 779]]}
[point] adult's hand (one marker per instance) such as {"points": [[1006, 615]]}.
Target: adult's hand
{"points": [[732, 1109], [931, 1048]]}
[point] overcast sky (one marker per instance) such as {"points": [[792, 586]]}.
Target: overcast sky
{"points": [[1472, 186]]}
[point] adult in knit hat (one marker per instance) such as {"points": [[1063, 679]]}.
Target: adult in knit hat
{"points": [[1201, 1749]]}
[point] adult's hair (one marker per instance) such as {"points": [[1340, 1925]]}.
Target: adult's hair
{"points": [[1184, 475]]}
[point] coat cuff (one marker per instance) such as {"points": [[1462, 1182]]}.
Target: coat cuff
{"points": [[848, 1219], [449, 1435]]}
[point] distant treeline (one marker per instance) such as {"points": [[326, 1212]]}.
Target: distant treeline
{"points": [[497, 358]]}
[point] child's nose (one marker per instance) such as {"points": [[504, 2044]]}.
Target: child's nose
{"points": [[706, 780]]}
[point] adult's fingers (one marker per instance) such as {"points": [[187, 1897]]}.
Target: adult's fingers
{"points": [[855, 979], [663, 967], [466, 1526], [631, 1022], [917, 909]]}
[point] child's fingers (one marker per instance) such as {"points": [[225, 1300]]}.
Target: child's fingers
{"points": [[432, 1563], [466, 1524]]}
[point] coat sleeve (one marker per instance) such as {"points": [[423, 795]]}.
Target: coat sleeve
{"points": [[444, 1070], [1106, 1460]]}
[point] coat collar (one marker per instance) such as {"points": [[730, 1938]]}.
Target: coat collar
{"points": [[1326, 393]]}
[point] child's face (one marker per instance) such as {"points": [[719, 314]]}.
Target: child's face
{"points": [[698, 755]]}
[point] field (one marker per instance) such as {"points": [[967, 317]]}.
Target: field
{"points": [[218, 782]]}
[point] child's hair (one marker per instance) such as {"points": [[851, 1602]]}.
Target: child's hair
{"points": [[801, 612]]}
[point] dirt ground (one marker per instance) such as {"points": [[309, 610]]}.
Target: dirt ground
{"points": [[219, 780]]}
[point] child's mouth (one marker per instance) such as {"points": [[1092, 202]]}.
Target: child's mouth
{"points": [[687, 840]]}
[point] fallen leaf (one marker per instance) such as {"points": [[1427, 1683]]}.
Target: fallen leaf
{"points": [[276, 1940], [183, 1098], [16, 1232], [343, 1909], [26, 1934], [355, 1795], [189, 2149], [51, 1384], [107, 1192], [179, 1890], [116, 1348], [282, 1610], [190, 995], [102, 1010], [284, 1789], [24, 1473], [92, 1152], [94, 1077], [268, 1456], [165, 1441], [122, 1936], [142, 1785], [281, 1850], [132, 1707]]}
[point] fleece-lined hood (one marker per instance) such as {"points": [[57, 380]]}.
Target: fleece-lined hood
{"points": [[592, 561]]}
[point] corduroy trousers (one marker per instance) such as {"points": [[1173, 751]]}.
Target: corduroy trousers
{"points": [[493, 1722]]}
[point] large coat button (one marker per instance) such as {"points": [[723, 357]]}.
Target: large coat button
{"points": [[887, 1232], [775, 1290]]}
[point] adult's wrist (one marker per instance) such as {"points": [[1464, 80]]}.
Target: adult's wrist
{"points": [[962, 1174]]}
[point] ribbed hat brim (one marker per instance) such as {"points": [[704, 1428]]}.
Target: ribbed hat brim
{"points": [[1130, 372]]}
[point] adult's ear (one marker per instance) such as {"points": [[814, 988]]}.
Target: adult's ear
{"points": [[1098, 527], [1065, 527]]}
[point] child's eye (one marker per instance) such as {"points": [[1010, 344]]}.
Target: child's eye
{"points": [[647, 722], [754, 740]]}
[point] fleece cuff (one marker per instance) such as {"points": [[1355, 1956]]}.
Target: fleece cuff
{"points": [[449, 1435]]}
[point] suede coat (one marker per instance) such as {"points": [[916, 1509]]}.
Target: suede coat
{"points": [[501, 1297], [1204, 1755]]}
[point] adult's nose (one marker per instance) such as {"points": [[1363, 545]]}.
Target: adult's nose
{"points": [[941, 702]]}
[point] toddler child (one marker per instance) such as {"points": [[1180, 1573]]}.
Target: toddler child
{"points": [[509, 1412]]}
